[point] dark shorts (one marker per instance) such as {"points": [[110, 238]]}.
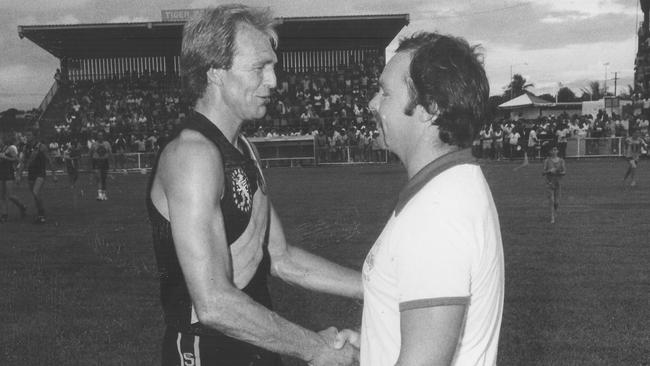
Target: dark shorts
{"points": [[72, 166], [33, 175], [180, 349], [531, 151], [100, 164], [7, 174]]}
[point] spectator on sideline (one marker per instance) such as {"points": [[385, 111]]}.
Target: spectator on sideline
{"points": [[208, 190]]}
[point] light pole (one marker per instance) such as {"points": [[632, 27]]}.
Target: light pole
{"points": [[605, 82], [511, 65]]}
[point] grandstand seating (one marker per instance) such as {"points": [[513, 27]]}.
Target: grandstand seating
{"points": [[141, 105]]}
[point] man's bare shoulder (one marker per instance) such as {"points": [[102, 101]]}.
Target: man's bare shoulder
{"points": [[188, 165], [190, 150]]}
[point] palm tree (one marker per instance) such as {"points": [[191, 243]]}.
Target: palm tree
{"points": [[517, 86], [593, 92], [565, 94]]}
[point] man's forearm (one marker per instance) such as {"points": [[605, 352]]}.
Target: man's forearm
{"points": [[238, 316], [310, 271]]}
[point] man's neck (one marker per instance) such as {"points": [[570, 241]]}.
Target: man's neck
{"points": [[420, 159], [227, 124]]}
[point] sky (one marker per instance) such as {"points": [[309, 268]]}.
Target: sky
{"points": [[551, 43]]}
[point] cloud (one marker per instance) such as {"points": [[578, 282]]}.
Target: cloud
{"points": [[42, 5], [590, 8], [22, 86], [557, 18], [129, 19], [571, 64], [48, 20], [528, 27]]}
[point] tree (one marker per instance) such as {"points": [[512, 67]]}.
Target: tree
{"points": [[547, 97], [516, 87], [493, 111], [593, 92], [627, 92], [565, 95]]}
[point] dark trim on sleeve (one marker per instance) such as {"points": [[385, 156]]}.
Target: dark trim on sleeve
{"points": [[429, 303]]}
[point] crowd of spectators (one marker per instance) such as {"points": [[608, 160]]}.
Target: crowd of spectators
{"points": [[324, 99], [137, 113], [508, 139]]}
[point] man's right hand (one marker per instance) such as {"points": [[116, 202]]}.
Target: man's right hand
{"points": [[330, 356]]}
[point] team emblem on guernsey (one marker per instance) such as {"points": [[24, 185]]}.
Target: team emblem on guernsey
{"points": [[241, 193]]}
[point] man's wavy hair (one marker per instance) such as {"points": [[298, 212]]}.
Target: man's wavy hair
{"points": [[209, 42], [447, 78]]}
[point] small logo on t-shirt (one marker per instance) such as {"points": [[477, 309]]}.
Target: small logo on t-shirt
{"points": [[241, 191]]}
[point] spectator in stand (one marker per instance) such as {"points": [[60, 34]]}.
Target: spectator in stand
{"points": [[376, 147], [55, 158], [513, 141], [152, 142], [343, 145], [497, 141], [562, 134], [644, 127], [573, 127], [486, 141], [507, 130], [352, 144], [335, 145], [583, 130], [140, 145], [322, 147], [120, 149]]}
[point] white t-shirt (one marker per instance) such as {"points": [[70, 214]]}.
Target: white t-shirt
{"points": [[562, 134], [444, 247], [532, 138], [514, 138]]}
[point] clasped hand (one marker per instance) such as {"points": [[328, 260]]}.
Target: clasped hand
{"points": [[340, 348]]}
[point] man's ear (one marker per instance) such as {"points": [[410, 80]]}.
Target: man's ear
{"points": [[425, 116], [215, 76]]}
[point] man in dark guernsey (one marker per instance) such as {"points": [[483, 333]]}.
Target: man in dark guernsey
{"points": [[216, 234]]}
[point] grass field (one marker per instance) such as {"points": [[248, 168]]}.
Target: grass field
{"points": [[82, 289]]}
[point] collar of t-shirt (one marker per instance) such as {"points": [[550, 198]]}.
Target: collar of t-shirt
{"points": [[430, 171]]}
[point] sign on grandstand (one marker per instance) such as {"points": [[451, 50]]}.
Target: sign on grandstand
{"points": [[179, 15]]}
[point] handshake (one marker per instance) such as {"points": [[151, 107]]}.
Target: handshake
{"points": [[339, 348]]}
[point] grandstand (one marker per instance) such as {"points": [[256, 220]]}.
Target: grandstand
{"points": [[124, 77]]}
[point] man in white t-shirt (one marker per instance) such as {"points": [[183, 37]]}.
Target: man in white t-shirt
{"points": [[433, 282]]}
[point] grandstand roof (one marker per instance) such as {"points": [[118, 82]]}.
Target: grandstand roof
{"points": [[164, 38]]}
